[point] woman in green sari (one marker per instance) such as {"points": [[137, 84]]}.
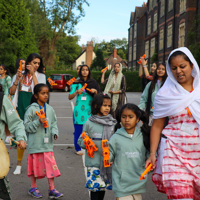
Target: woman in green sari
{"points": [[23, 86]]}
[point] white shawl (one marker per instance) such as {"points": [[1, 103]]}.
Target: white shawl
{"points": [[172, 98]]}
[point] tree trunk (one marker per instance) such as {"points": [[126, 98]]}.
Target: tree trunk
{"points": [[48, 52]]}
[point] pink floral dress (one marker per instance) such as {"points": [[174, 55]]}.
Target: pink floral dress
{"points": [[177, 170]]}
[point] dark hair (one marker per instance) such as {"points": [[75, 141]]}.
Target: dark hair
{"points": [[5, 67], [80, 75], [36, 90], [179, 53], [97, 102], [31, 57], [152, 86], [141, 115], [17, 64]]}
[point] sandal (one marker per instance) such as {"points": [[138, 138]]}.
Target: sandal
{"points": [[54, 194], [80, 153], [34, 192]]}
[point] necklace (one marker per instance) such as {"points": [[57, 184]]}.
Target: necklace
{"points": [[27, 80]]}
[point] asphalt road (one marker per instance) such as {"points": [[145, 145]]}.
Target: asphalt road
{"points": [[72, 180]]}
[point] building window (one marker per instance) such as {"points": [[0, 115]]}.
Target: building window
{"points": [[82, 62], [134, 52], [130, 34], [170, 5], [135, 30], [130, 54], [169, 35], [152, 46], [182, 6], [162, 8], [161, 39], [149, 26], [147, 48], [155, 20], [181, 41]]}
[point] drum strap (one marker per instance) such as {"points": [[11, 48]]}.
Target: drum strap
{"points": [[1, 101]]}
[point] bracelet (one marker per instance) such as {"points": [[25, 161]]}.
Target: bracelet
{"points": [[152, 153], [144, 65]]}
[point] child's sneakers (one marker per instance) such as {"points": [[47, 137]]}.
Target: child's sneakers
{"points": [[34, 192], [17, 170], [54, 194]]}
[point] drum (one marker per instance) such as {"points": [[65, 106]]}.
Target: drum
{"points": [[4, 160]]}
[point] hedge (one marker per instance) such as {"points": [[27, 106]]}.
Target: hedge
{"points": [[134, 83]]}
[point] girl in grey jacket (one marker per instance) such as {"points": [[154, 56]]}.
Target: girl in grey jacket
{"points": [[128, 151]]}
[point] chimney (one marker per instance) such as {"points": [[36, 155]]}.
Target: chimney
{"points": [[83, 48], [115, 53], [89, 53]]}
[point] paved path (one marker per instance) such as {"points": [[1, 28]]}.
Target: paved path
{"points": [[72, 179]]}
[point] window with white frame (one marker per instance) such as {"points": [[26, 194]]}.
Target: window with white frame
{"points": [[162, 8], [182, 6], [130, 33], [169, 35], [134, 52], [155, 21], [161, 39], [147, 48], [130, 54], [170, 5], [149, 26], [152, 47], [181, 41], [135, 30]]}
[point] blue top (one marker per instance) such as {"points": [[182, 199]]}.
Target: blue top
{"points": [[82, 108]]}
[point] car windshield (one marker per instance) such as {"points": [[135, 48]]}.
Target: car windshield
{"points": [[56, 77]]}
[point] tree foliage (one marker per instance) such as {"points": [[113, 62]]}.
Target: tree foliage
{"points": [[16, 38], [107, 47], [99, 62], [67, 51]]}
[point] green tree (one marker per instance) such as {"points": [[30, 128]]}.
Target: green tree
{"points": [[16, 38], [67, 50], [99, 62], [62, 16], [107, 47], [194, 39]]}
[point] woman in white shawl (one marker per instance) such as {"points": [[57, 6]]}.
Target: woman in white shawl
{"points": [[177, 170], [115, 87]]}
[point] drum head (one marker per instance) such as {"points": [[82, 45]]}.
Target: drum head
{"points": [[4, 160]]}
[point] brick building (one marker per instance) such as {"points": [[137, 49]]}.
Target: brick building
{"points": [[86, 57], [163, 26], [115, 58]]}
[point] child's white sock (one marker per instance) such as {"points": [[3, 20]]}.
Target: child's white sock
{"points": [[17, 170]]}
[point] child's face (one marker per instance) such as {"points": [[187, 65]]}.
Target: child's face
{"points": [[2, 71], [153, 67], [129, 120], [43, 95], [84, 71], [182, 70], [105, 108], [161, 71]]}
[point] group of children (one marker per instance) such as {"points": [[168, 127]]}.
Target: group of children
{"points": [[129, 145]]}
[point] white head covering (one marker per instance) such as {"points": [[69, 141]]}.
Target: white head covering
{"points": [[172, 98]]}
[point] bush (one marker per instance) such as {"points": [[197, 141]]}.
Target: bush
{"points": [[133, 82]]}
